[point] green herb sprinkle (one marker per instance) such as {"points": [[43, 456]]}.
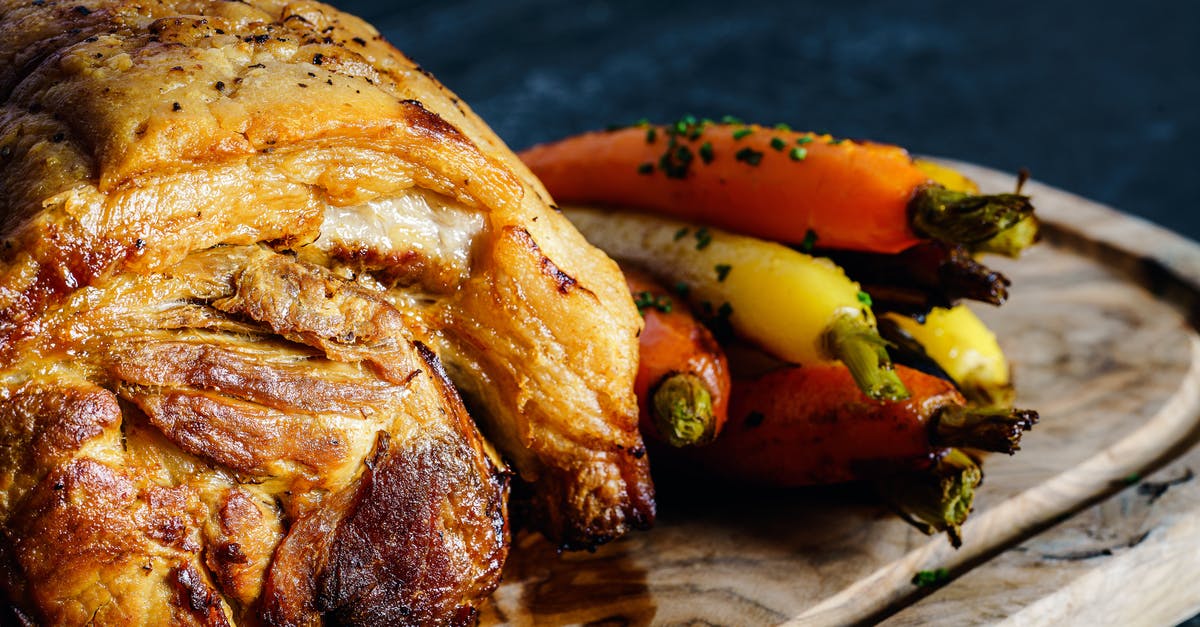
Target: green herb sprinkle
{"points": [[749, 156], [809, 241]]}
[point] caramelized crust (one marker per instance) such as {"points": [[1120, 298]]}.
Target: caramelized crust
{"points": [[178, 495], [216, 401]]}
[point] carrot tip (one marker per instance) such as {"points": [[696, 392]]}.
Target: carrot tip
{"points": [[939, 499], [1011, 241], [682, 410], [1001, 223], [995, 430]]}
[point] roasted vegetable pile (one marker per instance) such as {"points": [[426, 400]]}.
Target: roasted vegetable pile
{"points": [[801, 298]]}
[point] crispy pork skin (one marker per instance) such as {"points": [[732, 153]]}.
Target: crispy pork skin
{"points": [[234, 461], [238, 242]]}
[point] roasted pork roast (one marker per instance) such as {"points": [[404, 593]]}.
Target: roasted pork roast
{"points": [[251, 255]]}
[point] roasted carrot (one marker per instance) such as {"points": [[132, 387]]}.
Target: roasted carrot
{"points": [[810, 425], [682, 380], [777, 184]]}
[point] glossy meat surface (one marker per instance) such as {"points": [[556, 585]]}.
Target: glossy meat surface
{"points": [[239, 239], [205, 448]]}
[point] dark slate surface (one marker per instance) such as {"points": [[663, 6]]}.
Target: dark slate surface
{"points": [[1100, 98]]}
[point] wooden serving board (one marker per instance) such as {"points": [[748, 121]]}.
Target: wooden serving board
{"points": [[1083, 526]]}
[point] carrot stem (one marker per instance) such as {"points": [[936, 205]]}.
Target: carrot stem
{"points": [[1000, 223], [683, 410], [995, 430], [858, 345], [1012, 241], [939, 499]]}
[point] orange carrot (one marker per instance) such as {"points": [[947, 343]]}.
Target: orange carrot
{"points": [[772, 183], [811, 425], [682, 382]]}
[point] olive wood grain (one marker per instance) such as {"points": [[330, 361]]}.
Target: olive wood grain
{"points": [[1097, 329]]}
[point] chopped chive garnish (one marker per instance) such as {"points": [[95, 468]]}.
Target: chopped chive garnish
{"points": [[682, 288], [729, 119], [681, 233], [722, 271], [676, 160], [749, 156], [703, 238], [646, 168], [930, 577], [651, 135], [810, 240], [778, 144], [742, 132], [782, 127], [864, 298], [648, 300], [706, 152], [798, 154], [804, 140]]}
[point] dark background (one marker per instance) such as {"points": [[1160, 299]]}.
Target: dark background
{"points": [[1100, 98]]}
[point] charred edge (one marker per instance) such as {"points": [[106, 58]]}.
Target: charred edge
{"points": [[61, 269], [989, 430], [563, 281], [431, 124], [195, 596], [433, 363], [231, 553]]}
